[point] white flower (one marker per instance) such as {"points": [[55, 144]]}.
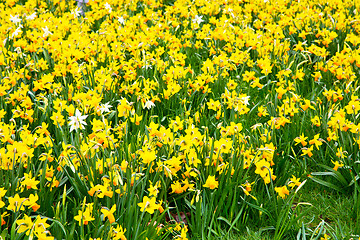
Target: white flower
{"points": [[46, 31], [245, 100], [105, 107], [147, 66], [77, 121], [18, 50], [121, 20], [108, 7], [198, 19], [80, 10], [15, 19], [31, 17], [77, 11], [149, 104], [17, 31]]}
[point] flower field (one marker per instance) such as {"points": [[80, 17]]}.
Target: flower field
{"points": [[180, 119]]}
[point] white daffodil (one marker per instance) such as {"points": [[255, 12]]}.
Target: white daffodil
{"points": [[17, 31], [46, 31], [245, 100], [77, 121], [149, 104], [105, 107], [198, 19], [31, 17], [121, 20], [77, 11], [15, 19], [108, 7]]}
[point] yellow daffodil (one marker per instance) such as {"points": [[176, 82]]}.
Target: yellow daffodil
{"points": [[211, 182]]}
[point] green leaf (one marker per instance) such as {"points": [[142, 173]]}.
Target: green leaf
{"points": [[327, 184], [4, 234], [229, 223], [335, 174], [59, 224]]}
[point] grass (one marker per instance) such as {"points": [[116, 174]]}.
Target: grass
{"points": [[331, 207], [326, 206]]}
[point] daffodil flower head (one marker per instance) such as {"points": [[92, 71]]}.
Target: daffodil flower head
{"points": [[77, 121], [211, 183]]}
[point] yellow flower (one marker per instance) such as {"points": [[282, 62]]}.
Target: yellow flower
{"points": [[183, 235], [84, 217], [211, 183], [337, 165], [265, 66], [40, 226], [316, 121], [299, 75], [307, 151], [148, 156], [223, 145], [177, 188], [2, 113], [326, 237], [109, 213], [316, 140], [294, 182], [29, 181], [149, 205], [25, 224], [281, 91], [306, 105], [2, 194], [123, 108], [16, 203], [301, 139], [214, 105], [3, 215], [136, 119], [282, 191], [340, 153], [31, 202], [262, 111], [153, 189], [353, 106], [58, 118], [264, 170], [176, 124], [118, 233]]}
